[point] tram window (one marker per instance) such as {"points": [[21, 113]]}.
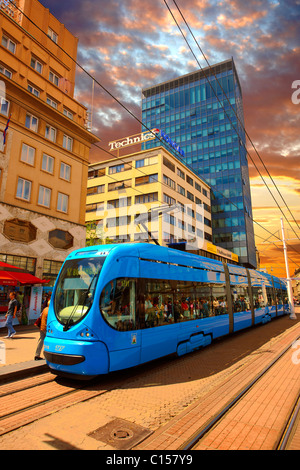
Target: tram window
{"points": [[164, 302], [117, 304], [258, 297], [278, 294], [75, 289], [240, 298], [219, 303], [270, 297]]}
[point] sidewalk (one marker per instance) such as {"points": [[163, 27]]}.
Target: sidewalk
{"points": [[19, 351]]}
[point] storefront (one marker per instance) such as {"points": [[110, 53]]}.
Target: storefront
{"points": [[29, 290]]}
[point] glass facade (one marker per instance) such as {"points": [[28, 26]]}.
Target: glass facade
{"points": [[206, 128]]}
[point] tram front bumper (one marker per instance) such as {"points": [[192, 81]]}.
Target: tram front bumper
{"points": [[86, 358]]}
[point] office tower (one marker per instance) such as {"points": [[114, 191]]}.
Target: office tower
{"points": [[195, 113]]}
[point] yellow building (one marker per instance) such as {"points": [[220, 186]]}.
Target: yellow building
{"points": [[150, 195], [45, 154]]}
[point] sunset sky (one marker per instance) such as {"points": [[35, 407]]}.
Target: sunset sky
{"points": [[127, 45]]}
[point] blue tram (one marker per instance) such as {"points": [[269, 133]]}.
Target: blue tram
{"points": [[118, 306]]}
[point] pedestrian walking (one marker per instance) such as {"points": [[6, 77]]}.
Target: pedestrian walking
{"points": [[10, 315], [43, 328]]}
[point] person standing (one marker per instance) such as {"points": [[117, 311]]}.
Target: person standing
{"points": [[43, 328], [10, 315]]}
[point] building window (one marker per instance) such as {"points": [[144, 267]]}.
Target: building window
{"points": [[20, 261], [31, 122], [53, 78], [180, 173], [36, 65], [44, 196], [4, 106], [24, 189], [19, 230], [51, 102], [144, 198], [48, 163], [190, 196], [65, 171], [60, 239], [96, 189], [52, 35], [198, 187], [8, 44], [146, 179], [181, 190], [33, 90], [169, 164], [146, 162], [121, 202], [50, 133], [119, 185], [96, 173], [5, 71], [168, 181], [189, 180], [68, 113], [116, 169], [62, 202], [28, 154], [51, 269], [169, 200], [68, 143]]}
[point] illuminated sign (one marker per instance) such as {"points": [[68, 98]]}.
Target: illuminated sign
{"points": [[173, 144], [143, 137], [135, 139]]}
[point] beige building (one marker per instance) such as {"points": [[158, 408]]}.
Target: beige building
{"points": [[44, 158], [150, 195]]}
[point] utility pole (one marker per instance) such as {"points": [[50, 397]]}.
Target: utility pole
{"points": [[288, 278]]}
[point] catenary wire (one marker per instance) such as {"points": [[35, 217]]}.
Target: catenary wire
{"points": [[240, 122], [123, 106], [180, 29]]}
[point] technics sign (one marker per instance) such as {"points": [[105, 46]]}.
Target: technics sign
{"points": [[135, 139], [143, 137]]}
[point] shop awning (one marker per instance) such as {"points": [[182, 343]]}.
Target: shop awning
{"points": [[6, 280], [9, 267], [8, 277]]}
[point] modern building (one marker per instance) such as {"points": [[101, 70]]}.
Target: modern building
{"points": [[44, 141], [195, 113], [150, 196]]}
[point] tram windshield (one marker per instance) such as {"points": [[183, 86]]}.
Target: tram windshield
{"points": [[75, 289]]}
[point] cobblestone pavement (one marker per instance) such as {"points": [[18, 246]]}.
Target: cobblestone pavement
{"points": [[152, 395]]}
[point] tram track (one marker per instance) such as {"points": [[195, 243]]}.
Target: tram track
{"points": [[196, 440], [28, 400], [288, 431]]}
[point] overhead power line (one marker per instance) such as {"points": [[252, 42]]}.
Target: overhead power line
{"points": [[242, 125], [130, 112]]}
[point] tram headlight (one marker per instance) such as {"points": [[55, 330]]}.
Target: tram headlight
{"points": [[86, 333]]}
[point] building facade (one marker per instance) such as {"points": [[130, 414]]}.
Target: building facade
{"points": [[44, 141], [150, 196], [212, 143]]}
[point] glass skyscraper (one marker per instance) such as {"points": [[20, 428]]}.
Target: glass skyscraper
{"points": [[195, 113]]}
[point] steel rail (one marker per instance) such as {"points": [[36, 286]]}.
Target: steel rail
{"points": [[198, 435]]}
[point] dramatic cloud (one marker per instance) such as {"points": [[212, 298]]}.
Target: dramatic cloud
{"points": [[129, 45]]}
